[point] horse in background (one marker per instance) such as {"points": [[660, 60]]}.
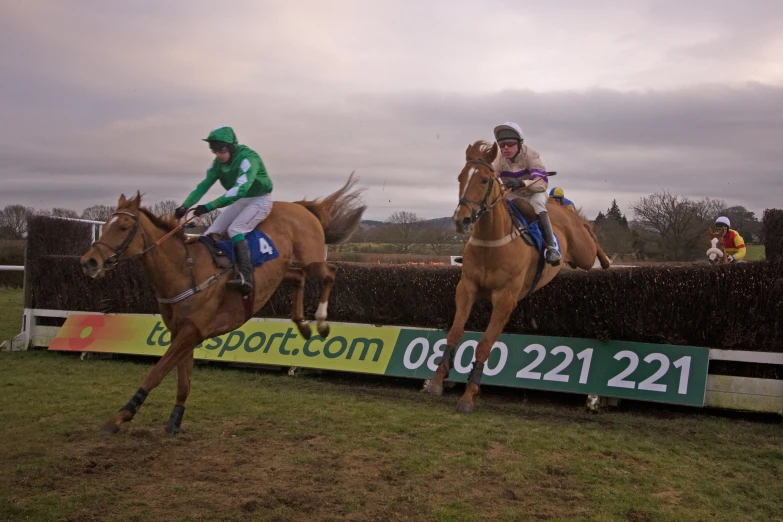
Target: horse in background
{"points": [[716, 254]]}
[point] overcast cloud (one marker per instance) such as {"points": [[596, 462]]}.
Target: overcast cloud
{"points": [[623, 99]]}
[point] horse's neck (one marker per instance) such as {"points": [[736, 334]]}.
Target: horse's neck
{"points": [[495, 224], [166, 264]]}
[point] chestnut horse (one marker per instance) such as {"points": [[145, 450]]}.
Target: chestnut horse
{"points": [[497, 264], [716, 254], [195, 302]]}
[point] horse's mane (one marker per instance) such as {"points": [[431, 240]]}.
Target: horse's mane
{"points": [[166, 222], [479, 149]]}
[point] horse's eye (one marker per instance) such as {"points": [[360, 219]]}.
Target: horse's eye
{"points": [[485, 181], [123, 228]]}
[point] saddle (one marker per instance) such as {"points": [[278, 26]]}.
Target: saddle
{"points": [[523, 216], [219, 256]]}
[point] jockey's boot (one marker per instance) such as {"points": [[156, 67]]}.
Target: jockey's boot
{"points": [[551, 254], [244, 268]]}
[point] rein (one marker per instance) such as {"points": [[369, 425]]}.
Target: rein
{"points": [[114, 260]]}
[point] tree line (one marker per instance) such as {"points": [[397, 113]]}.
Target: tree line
{"points": [[13, 218], [670, 227], [665, 227]]}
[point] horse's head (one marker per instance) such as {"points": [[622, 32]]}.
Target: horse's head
{"points": [[715, 253], [119, 238], [479, 187]]}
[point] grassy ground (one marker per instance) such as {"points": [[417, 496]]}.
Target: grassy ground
{"points": [[264, 446], [10, 312], [755, 253]]}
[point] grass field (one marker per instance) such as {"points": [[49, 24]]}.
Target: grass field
{"points": [[755, 253], [265, 446], [10, 312]]}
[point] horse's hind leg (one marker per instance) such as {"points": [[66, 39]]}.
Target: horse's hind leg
{"points": [[602, 257], [296, 278], [326, 273], [184, 371], [503, 303], [181, 348]]}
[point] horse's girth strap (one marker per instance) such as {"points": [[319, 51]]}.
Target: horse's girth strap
{"points": [[494, 242], [193, 290]]}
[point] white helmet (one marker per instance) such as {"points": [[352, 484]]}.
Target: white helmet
{"points": [[508, 131], [723, 220]]}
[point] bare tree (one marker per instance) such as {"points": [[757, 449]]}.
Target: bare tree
{"points": [[164, 207], [13, 219], [65, 213], [438, 239], [404, 229], [209, 218], [677, 223], [98, 212]]}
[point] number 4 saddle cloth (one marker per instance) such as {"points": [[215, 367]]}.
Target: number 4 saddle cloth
{"points": [[261, 247]]}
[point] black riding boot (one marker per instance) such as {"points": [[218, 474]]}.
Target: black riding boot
{"points": [[244, 268], [551, 254]]}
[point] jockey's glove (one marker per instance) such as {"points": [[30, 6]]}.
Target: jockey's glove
{"points": [[731, 259], [514, 184], [201, 209], [180, 212]]}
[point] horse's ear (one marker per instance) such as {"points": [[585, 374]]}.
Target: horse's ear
{"points": [[467, 152], [122, 201]]}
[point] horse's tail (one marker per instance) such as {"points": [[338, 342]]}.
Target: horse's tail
{"points": [[339, 213]]}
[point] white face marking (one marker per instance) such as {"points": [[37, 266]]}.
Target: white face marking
{"points": [[112, 220]]}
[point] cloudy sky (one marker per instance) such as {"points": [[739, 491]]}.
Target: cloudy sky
{"points": [[622, 98]]}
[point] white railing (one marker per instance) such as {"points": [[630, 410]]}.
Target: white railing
{"points": [[95, 225]]}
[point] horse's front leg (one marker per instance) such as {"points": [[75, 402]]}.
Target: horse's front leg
{"points": [[181, 348], [465, 296], [184, 371], [503, 303]]}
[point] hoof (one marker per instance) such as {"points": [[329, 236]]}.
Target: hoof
{"points": [[174, 430], [110, 428], [432, 388], [323, 329], [464, 407], [304, 329]]}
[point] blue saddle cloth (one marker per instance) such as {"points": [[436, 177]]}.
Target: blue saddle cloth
{"points": [[262, 249], [534, 237]]}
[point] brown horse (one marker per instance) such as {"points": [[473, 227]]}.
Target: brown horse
{"points": [[716, 254], [497, 264], [195, 302]]}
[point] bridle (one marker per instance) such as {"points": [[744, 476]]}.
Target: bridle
{"points": [[483, 205], [111, 262]]}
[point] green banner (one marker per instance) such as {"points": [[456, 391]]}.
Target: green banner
{"points": [[648, 372]]}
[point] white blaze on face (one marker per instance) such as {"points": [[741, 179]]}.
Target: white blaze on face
{"points": [[467, 184]]}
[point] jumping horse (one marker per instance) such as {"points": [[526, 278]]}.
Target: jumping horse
{"points": [[194, 301], [498, 264]]}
